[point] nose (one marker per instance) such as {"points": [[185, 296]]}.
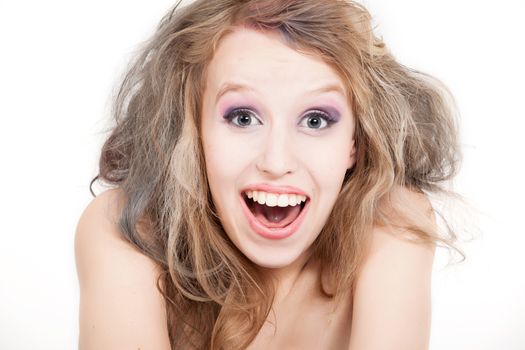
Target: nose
{"points": [[277, 157]]}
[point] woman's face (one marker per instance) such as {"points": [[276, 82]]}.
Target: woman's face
{"points": [[277, 122]]}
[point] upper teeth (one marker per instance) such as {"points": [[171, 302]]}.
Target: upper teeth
{"points": [[273, 199]]}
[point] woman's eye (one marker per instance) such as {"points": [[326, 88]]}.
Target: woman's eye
{"points": [[242, 118], [317, 120]]}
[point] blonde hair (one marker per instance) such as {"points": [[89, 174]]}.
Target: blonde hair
{"points": [[406, 136]]}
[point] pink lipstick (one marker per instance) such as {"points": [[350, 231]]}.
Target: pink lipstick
{"points": [[274, 233]]}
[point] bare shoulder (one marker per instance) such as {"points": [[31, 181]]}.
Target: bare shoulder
{"points": [[390, 241], [120, 306], [392, 299]]}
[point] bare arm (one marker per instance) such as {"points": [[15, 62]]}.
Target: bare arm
{"points": [[120, 306], [392, 300]]}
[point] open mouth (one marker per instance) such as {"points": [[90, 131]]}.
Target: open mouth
{"points": [[274, 216]]}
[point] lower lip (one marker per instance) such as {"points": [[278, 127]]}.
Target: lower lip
{"points": [[274, 233]]}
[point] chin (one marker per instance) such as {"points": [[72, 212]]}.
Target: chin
{"points": [[273, 260]]}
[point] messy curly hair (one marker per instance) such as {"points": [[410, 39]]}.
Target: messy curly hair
{"points": [[406, 137]]}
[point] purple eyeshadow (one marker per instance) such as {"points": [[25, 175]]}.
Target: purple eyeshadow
{"points": [[333, 114], [231, 109], [329, 113]]}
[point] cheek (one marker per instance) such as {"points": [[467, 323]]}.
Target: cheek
{"points": [[327, 160], [225, 162], [225, 158]]}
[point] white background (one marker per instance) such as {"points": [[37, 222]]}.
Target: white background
{"points": [[60, 62]]}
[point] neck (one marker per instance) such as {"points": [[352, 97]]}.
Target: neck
{"points": [[285, 278]]}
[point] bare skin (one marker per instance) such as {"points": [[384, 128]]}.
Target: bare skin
{"points": [[120, 307], [305, 318], [118, 290]]}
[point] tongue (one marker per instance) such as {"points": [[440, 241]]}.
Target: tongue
{"points": [[276, 216]]}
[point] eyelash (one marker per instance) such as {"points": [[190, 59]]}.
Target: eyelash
{"points": [[230, 116]]}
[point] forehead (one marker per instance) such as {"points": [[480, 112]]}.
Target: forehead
{"points": [[262, 59]]}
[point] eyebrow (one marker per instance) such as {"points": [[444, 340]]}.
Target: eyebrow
{"points": [[235, 87]]}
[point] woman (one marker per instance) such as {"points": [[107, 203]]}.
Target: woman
{"points": [[270, 160]]}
